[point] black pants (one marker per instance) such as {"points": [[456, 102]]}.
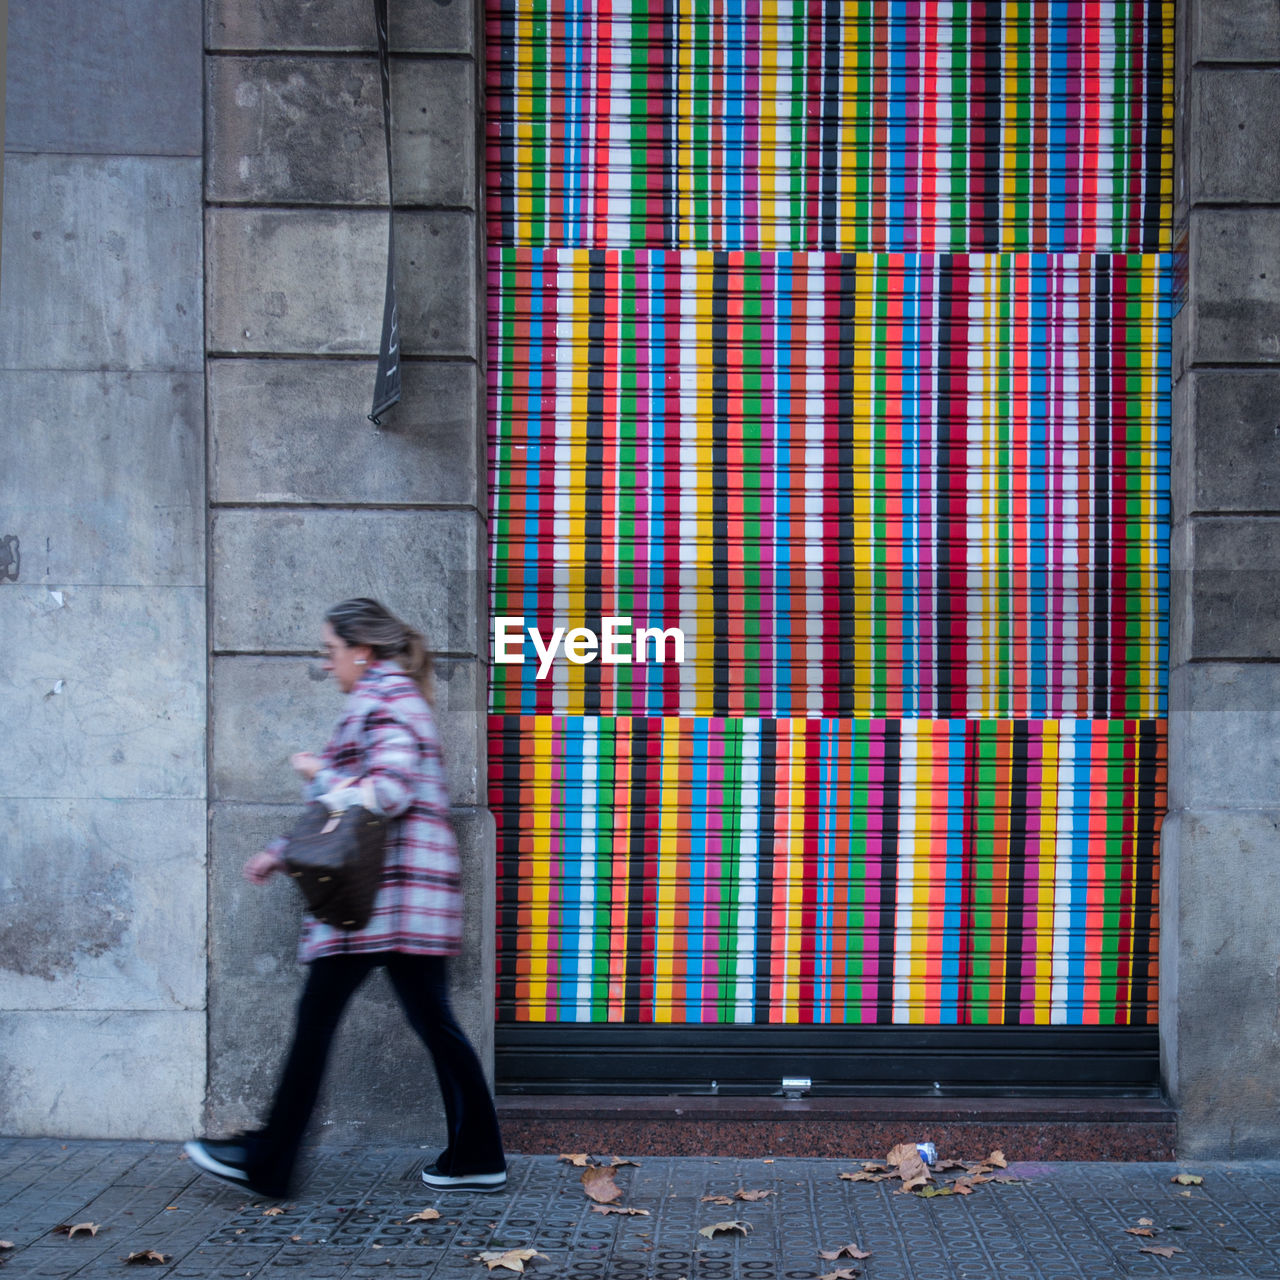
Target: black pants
{"points": [[420, 983]]}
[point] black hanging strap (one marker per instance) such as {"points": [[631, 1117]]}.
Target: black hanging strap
{"points": [[386, 389]]}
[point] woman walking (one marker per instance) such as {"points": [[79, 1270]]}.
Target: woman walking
{"points": [[385, 755]]}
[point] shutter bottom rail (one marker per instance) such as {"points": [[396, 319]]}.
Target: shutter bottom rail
{"points": [[597, 1059]]}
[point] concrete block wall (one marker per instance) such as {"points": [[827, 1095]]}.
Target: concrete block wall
{"points": [[1220, 893], [102, 608], [309, 503]]}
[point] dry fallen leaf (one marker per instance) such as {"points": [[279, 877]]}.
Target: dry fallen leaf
{"points": [[1185, 1193], [751, 1196], [1141, 1231], [424, 1215], [844, 1251], [618, 1208], [617, 1162], [920, 1180], [709, 1232], [864, 1177], [1151, 1222], [274, 1212], [963, 1186], [145, 1257], [598, 1183], [512, 1259], [1160, 1250], [929, 1192], [6, 1244], [996, 1159], [1187, 1179], [578, 1158], [69, 1231], [840, 1273], [724, 1200], [903, 1151]]}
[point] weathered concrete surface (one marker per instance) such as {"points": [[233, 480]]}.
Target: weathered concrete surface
{"points": [[1235, 266], [276, 571], [1235, 586], [1233, 154], [1236, 463], [313, 282], [1224, 736], [295, 431], [105, 476], [384, 1093], [102, 1074], [112, 77], [81, 236], [104, 904], [108, 686], [416, 26], [1224, 949], [1235, 31], [284, 130], [265, 709]]}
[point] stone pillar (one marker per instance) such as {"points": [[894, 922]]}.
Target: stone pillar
{"points": [[310, 503], [102, 575], [1220, 898]]}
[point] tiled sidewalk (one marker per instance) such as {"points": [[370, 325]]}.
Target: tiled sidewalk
{"points": [[350, 1217]]}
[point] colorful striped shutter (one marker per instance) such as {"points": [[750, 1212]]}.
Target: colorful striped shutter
{"points": [[837, 336]]}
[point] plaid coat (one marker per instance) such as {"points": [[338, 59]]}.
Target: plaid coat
{"points": [[387, 736]]}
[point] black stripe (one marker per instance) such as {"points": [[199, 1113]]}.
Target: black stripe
{"points": [[764, 895], [847, 617], [1101, 595], [1148, 843], [829, 165], [888, 870], [1017, 873], [637, 871], [593, 476], [720, 480], [1153, 140]]}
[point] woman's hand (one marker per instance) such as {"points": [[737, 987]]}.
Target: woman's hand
{"points": [[306, 763], [262, 866]]}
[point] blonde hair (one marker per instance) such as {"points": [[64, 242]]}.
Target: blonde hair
{"points": [[365, 621]]}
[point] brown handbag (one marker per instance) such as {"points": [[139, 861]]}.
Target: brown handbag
{"points": [[336, 860]]}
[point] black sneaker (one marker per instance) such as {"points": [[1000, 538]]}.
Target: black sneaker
{"points": [[228, 1160], [438, 1181]]}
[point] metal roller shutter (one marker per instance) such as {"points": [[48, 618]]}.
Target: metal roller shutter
{"points": [[835, 336]]}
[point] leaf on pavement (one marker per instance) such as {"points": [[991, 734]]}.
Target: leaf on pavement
{"points": [[962, 1187], [844, 1251], [69, 1231], [274, 1212], [511, 1259], [424, 1215], [1141, 1231], [724, 1200], [997, 1160], [919, 1180], [618, 1208], [148, 1257], [751, 1196], [865, 1176], [618, 1161], [1151, 1222], [840, 1273], [1160, 1250], [929, 1192], [6, 1244], [598, 1183], [1187, 1179], [578, 1158], [903, 1151], [741, 1227]]}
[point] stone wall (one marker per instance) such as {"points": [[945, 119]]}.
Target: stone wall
{"points": [[1220, 899], [310, 503], [102, 574]]}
